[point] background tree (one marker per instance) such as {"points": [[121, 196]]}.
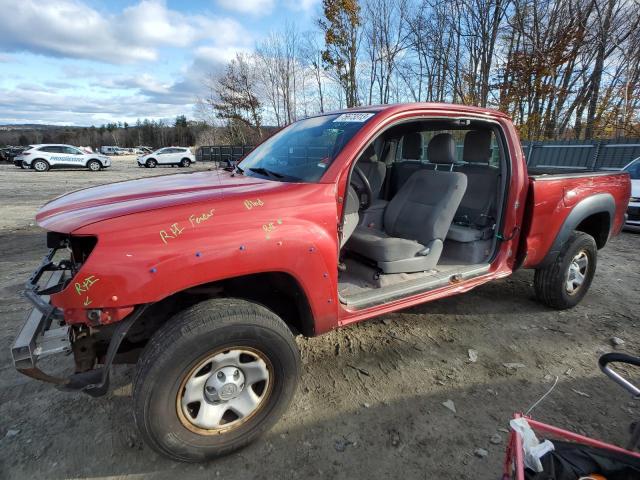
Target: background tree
{"points": [[341, 28], [237, 102]]}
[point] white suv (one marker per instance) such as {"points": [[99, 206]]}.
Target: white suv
{"points": [[180, 156], [633, 211], [45, 156]]}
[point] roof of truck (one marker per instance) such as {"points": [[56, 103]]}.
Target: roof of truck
{"points": [[405, 107]]}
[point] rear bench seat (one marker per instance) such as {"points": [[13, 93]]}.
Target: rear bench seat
{"points": [[470, 237]]}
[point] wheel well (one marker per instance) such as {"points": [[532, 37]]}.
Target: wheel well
{"points": [[598, 226], [278, 291], [94, 160], [185, 158]]}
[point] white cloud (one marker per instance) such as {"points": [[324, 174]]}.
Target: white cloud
{"points": [[253, 7], [302, 5], [69, 28], [44, 106], [214, 54]]}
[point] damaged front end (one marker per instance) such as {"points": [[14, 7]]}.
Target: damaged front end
{"points": [[45, 332]]}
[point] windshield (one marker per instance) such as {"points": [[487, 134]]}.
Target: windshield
{"points": [[304, 150], [634, 170]]}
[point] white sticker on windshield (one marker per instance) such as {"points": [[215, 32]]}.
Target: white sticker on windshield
{"points": [[354, 117]]}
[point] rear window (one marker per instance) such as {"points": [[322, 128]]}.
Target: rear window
{"points": [[458, 136], [51, 149]]}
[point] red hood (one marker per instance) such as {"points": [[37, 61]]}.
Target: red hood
{"points": [[83, 207]]}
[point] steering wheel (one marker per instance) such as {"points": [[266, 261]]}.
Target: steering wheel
{"points": [[362, 190]]}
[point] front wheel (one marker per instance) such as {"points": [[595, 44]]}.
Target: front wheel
{"points": [[565, 282], [151, 163], [213, 379], [94, 165]]}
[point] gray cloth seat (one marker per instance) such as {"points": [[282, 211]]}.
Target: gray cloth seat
{"points": [[474, 219], [418, 217], [410, 162], [378, 245], [464, 233], [351, 215]]}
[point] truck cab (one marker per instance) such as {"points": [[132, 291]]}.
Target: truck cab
{"points": [[204, 278]]}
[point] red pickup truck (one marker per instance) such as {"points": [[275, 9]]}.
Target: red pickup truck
{"points": [[204, 278]]}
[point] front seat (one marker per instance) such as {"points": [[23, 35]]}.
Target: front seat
{"points": [[417, 218]]}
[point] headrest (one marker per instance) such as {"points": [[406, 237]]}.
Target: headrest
{"points": [[477, 146], [442, 149], [412, 146]]}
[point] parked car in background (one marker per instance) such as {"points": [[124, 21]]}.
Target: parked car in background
{"points": [[180, 156], [109, 150], [12, 152], [45, 156], [143, 150], [633, 212]]}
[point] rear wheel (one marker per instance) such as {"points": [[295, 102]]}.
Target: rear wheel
{"points": [[94, 165], [213, 379], [185, 162], [151, 163], [40, 165], [565, 282]]}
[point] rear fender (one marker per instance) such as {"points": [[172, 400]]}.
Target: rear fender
{"points": [[596, 204]]}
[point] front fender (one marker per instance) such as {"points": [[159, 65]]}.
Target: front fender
{"points": [[145, 257]]}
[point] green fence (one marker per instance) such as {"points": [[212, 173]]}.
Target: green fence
{"points": [[222, 153], [582, 154]]}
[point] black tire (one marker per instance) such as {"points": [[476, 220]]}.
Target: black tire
{"points": [[40, 165], [94, 165], [151, 163], [550, 282], [177, 349], [185, 162]]}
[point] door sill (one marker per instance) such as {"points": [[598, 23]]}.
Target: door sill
{"points": [[377, 296]]}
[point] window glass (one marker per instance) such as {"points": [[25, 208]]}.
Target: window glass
{"points": [[71, 151], [458, 137], [304, 150], [634, 170]]}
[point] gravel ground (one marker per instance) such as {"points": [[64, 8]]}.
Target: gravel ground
{"points": [[370, 402]]}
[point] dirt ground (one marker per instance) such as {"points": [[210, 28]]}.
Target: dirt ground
{"points": [[370, 402]]}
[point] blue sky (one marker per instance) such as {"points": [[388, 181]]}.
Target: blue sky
{"points": [[86, 62]]}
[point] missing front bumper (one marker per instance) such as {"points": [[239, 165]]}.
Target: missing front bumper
{"points": [[44, 333], [39, 337]]}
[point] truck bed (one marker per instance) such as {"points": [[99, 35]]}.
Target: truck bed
{"points": [[554, 193], [567, 172]]}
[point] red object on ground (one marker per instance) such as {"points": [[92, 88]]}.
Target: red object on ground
{"points": [[514, 458]]}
